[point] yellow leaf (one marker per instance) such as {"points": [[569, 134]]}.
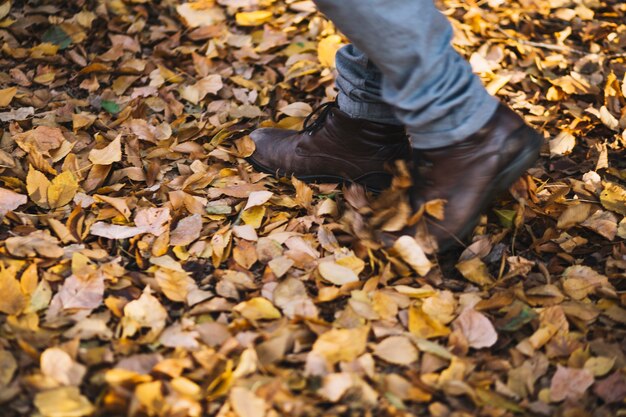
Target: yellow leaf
{"points": [[613, 197], [62, 189], [254, 216], [476, 271], [253, 18], [436, 208], [12, 300], [342, 344], [63, 402], [37, 186], [107, 155], [258, 308], [43, 49], [6, 95], [424, 326], [327, 49]]}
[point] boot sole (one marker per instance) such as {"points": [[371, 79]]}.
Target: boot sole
{"points": [[501, 183], [368, 183]]}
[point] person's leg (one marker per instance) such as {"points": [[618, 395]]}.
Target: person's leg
{"points": [[468, 147], [359, 84], [431, 87]]}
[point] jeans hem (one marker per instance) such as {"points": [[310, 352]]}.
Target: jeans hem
{"points": [[374, 112], [470, 125]]}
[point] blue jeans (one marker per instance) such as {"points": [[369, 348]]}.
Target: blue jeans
{"points": [[402, 69]]}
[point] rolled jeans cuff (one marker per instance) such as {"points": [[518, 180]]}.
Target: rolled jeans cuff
{"points": [[482, 112], [374, 112]]}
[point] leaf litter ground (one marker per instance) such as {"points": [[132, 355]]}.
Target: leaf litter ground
{"points": [[147, 270]]}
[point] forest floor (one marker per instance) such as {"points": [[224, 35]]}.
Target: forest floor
{"points": [[147, 270]]}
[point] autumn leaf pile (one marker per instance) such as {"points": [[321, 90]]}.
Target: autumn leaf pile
{"points": [[147, 270]]}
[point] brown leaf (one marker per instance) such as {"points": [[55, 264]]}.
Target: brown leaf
{"points": [[42, 138], [83, 293], [187, 230], [574, 214], [37, 243], [569, 383], [612, 389], [210, 84]]}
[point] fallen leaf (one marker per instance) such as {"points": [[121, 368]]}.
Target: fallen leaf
{"points": [[63, 402], [246, 403], [210, 84], [476, 328], [82, 292], [59, 365], [37, 243], [42, 138], [258, 198], [327, 49], [6, 95], [109, 154], [475, 270], [341, 344], [62, 189], [10, 200], [37, 186], [187, 230], [336, 274], [255, 18], [200, 13], [413, 254], [562, 144], [569, 383], [145, 312], [297, 109], [257, 308], [424, 326], [13, 300], [397, 350], [612, 389]]}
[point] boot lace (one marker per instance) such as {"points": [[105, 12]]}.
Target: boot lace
{"points": [[312, 123]]}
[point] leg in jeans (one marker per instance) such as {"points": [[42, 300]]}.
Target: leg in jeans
{"points": [[359, 84], [430, 86]]}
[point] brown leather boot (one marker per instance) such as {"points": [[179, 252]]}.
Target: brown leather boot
{"points": [[471, 173], [333, 148]]}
